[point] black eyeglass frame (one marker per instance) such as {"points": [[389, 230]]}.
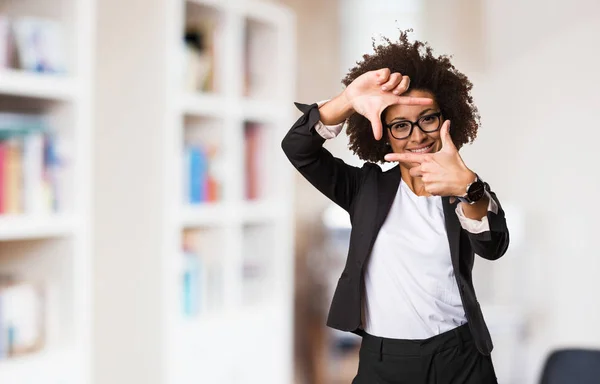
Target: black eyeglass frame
{"points": [[413, 123]]}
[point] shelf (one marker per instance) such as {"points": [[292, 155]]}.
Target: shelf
{"points": [[261, 211], [217, 4], [190, 326], [202, 104], [265, 12], [46, 367], [248, 212], [252, 109], [217, 251], [187, 326], [264, 111], [36, 85], [20, 227], [204, 215], [42, 248]]}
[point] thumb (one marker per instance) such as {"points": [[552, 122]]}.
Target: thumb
{"points": [[447, 143]]}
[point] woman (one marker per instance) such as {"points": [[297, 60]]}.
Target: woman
{"points": [[406, 287]]}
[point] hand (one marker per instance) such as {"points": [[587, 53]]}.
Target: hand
{"points": [[443, 173], [372, 92]]}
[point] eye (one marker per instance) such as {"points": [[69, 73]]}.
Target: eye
{"points": [[400, 125], [428, 119]]}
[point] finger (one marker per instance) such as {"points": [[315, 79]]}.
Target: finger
{"points": [[392, 82], [427, 167], [435, 189], [382, 75], [408, 157], [392, 99], [407, 100], [427, 177], [403, 86], [416, 171], [447, 143], [376, 126]]}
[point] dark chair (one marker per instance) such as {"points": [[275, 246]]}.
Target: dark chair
{"points": [[572, 366]]}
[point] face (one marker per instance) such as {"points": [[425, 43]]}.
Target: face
{"points": [[419, 141]]}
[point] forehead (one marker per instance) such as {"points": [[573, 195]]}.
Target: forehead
{"points": [[411, 112]]}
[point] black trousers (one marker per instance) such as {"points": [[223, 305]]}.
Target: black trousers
{"points": [[448, 358]]}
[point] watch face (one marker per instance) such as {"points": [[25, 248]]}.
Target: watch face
{"points": [[476, 191]]}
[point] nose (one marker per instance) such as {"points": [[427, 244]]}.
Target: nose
{"points": [[417, 135]]}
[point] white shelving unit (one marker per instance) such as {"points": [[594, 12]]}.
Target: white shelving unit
{"points": [[32, 85], [146, 117], [22, 227], [247, 337], [53, 249]]}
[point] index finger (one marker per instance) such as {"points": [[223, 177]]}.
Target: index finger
{"points": [[409, 100], [408, 157]]}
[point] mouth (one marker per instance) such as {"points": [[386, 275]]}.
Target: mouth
{"points": [[424, 149]]}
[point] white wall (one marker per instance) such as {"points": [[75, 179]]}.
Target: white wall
{"points": [[361, 21], [549, 93]]}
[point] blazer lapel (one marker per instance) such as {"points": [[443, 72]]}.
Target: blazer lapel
{"points": [[387, 189], [384, 191], [453, 231]]}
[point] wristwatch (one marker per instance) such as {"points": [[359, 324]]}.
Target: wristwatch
{"points": [[474, 191]]}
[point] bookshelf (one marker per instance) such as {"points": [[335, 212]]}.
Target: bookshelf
{"points": [[45, 252], [23, 227], [32, 85], [193, 254], [245, 236]]}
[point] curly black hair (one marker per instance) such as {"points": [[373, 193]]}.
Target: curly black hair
{"points": [[437, 75]]}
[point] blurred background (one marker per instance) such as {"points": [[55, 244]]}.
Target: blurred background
{"points": [[151, 230]]}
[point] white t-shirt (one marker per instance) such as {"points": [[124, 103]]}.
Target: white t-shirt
{"points": [[410, 288]]}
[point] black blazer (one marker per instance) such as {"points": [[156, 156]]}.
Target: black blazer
{"points": [[367, 194]]}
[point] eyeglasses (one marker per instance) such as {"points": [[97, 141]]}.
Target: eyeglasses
{"points": [[404, 128]]}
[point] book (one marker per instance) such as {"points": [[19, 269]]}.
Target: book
{"points": [[201, 272], [201, 180], [260, 52], [22, 321], [5, 42], [191, 282], [39, 45], [257, 264], [197, 163], [199, 55], [34, 184], [31, 167], [251, 138], [3, 177], [12, 177], [257, 161]]}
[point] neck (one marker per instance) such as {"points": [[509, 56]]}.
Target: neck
{"points": [[414, 183]]}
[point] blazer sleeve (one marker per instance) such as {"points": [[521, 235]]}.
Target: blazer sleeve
{"points": [[493, 243], [303, 146]]}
